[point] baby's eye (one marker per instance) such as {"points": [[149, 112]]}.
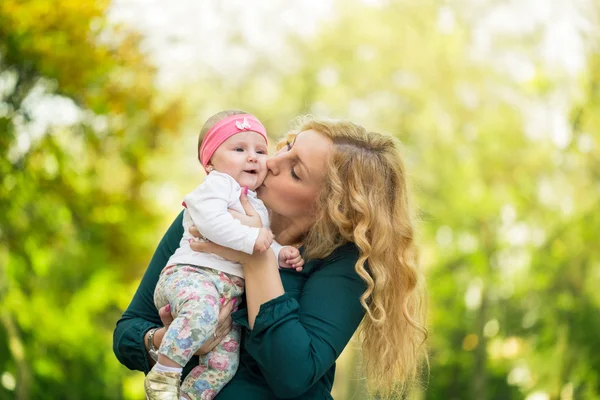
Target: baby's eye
{"points": [[239, 149], [261, 152]]}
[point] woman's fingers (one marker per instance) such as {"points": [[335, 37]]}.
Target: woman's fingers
{"points": [[225, 252], [226, 309], [195, 232], [236, 214], [224, 326], [253, 221], [223, 329], [165, 315], [246, 203], [208, 346], [225, 321], [207, 247], [213, 248], [251, 217]]}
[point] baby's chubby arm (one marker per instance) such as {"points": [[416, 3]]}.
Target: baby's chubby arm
{"points": [[207, 206]]}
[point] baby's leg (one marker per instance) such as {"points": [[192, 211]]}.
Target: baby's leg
{"points": [[220, 365], [205, 381], [194, 300]]}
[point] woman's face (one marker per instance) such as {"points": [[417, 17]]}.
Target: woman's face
{"points": [[295, 174]]}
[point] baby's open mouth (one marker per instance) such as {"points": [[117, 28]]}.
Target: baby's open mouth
{"points": [[251, 171]]}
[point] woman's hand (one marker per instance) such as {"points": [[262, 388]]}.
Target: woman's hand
{"points": [[224, 326], [251, 218], [229, 254], [248, 220], [210, 247]]}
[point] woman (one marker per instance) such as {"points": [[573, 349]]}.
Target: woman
{"points": [[341, 193]]}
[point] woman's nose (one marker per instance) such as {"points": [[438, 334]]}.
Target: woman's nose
{"points": [[273, 165]]}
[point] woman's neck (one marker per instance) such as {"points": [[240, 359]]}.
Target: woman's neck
{"points": [[288, 232]]}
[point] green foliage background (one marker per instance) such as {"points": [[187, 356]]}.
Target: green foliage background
{"points": [[509, 210]]}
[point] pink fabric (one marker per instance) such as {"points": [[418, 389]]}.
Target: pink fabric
{"points": [[226, 128]]}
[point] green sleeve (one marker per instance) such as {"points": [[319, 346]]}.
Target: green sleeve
{"points": [[141, 315], [295, 342]]}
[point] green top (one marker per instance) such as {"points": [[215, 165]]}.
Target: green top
{"points": [[291, 352]]}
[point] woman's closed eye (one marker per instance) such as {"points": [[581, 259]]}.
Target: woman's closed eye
{"points": [[288, 147], [293, 173]]}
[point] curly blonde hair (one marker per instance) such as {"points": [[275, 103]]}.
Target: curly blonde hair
{"points": [[365, 200]]}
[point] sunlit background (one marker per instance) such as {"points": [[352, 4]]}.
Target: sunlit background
{"points": [[496, 102]]}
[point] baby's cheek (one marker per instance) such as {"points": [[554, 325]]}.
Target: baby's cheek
{"points": [[263, 174]]}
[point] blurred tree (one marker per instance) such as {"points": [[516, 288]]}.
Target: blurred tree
{"points": [[79, 119]]}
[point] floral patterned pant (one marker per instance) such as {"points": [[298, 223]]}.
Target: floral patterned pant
{"points": [[194, 294]]}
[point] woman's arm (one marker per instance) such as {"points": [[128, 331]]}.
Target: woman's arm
{"points": [[141, 315], [296, 342], [263, 282]]}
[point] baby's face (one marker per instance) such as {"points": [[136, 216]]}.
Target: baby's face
{"points": [[244, 157]]}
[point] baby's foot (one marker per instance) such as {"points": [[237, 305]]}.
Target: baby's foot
{"points": [[161, 385]]}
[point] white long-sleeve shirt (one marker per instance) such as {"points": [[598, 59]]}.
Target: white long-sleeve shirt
{"points": [[206, 207]]}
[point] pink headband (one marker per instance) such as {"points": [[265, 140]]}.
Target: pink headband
{"points": [[226, 128]]}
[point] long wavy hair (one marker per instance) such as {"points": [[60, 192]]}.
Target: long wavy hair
{"points": [[365, 200]]}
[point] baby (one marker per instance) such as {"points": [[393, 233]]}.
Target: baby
{"points": [[234, 153]]}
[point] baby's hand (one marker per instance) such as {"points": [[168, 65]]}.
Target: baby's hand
{"points": [[289, 257], [264, 240]]}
